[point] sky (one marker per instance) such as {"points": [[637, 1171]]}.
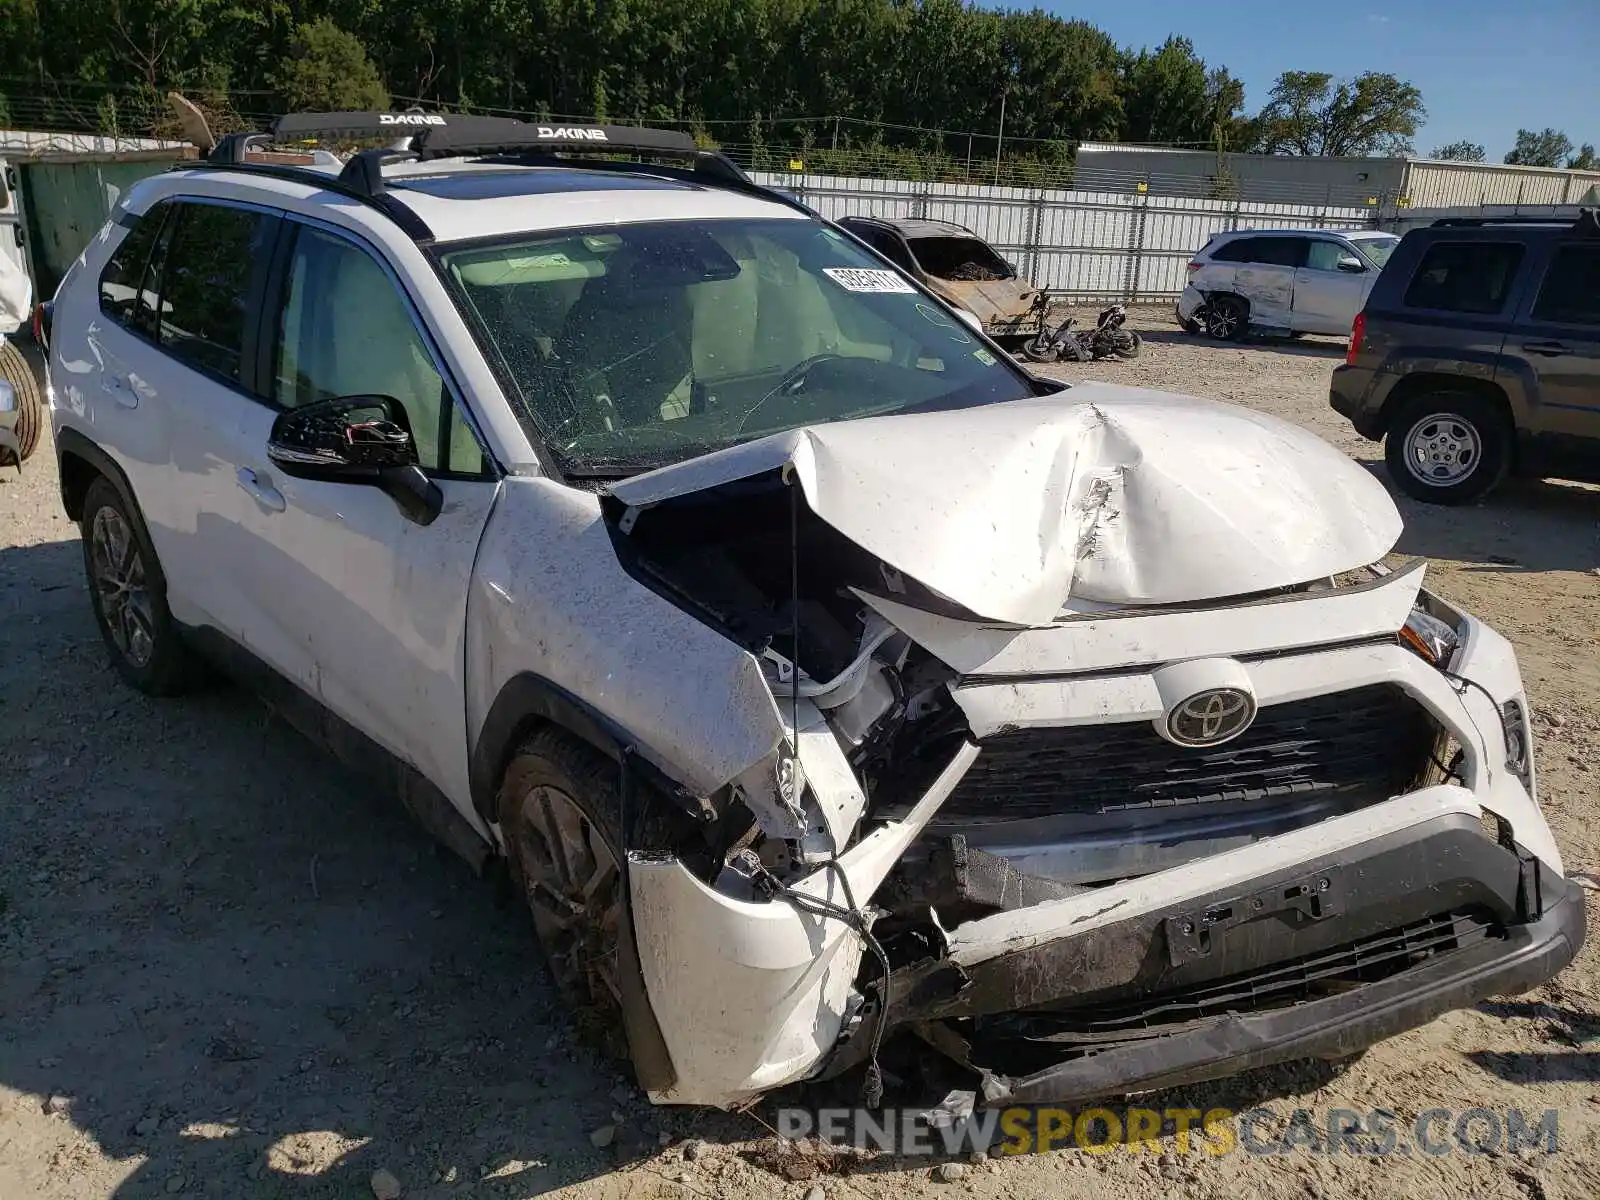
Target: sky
{"points": [[1485, 67]]}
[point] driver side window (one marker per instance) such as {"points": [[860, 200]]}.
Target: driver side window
{"points": [[1325, 256], [347, 331]]}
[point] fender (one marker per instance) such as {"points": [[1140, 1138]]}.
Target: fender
{"points": [[528, 699], [70, 442]]}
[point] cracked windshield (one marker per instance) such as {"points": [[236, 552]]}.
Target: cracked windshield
{"points": [[640, 345]]}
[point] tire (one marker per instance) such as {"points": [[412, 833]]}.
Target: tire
{"points": [[1130, 346], [1038, 349], [559, 797], [1227, 318], [16, 370], [1448, 447], [128, 593]]}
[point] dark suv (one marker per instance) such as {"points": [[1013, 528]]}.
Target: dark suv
{"points": [[1478, 354]]}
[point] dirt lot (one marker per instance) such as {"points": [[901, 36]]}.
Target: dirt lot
{"points": [[227, 969]]}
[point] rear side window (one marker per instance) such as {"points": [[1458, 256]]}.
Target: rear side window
{"points": [[126, 295], [1235, 251], [1465, 277], [1570, 294], [1264, 251], [206, 285]]}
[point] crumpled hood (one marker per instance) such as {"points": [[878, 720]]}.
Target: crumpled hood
{"points": [[1103, 493], [991, 299]]}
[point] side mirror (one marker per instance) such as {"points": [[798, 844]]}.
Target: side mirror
{"points": [[970, 317], [1352, 264], [356, 439]]}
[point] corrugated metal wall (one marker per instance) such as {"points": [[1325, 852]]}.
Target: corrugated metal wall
{"points": [[1449, 185], [1088, 245]]}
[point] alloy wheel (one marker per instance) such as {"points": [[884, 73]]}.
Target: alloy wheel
{"points": [[574, 890], [121, 589]]}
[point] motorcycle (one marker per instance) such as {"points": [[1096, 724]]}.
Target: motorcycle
{"points": [[1108, 339]]}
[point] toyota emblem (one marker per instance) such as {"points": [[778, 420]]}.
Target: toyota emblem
{"points": [[1211, 718]]}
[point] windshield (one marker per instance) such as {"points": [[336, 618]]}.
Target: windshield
{"points": [[633, 346], [1378, 249]]}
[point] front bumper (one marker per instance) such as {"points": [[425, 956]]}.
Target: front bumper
{"points": [[1336, 1026], [751, 995], [1393, 932]]}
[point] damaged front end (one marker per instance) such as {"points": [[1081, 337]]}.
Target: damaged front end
{"points": [[1104, 761]]}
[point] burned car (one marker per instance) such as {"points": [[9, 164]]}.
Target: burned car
{"points": [[817, 675], [959, 267]]}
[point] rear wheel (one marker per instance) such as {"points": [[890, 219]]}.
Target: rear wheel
{"points": [[1227, 318], [16, 370], [1448, 447], [1129, 345], [1039, 349], [129, 596]]}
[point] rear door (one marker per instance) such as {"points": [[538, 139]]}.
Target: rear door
{"points": [[1261, 268], [1267, 279], [1557, 332], [1327, 297], [173, 346]]}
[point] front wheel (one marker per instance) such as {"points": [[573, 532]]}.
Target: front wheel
{"points": [[1448, 447], [558, 808]]}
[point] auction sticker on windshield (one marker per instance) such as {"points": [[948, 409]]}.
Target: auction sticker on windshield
{"points": [[859, 279]]}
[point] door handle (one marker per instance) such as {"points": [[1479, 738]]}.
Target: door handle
{"points": [[262, 492], [120, 390], [1549, 349]]}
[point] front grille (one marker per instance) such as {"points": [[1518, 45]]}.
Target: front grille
{"points": [[1371, 742], [1315, 976]]}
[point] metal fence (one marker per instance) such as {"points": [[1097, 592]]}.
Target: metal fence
{"points": [[1075, 244]]}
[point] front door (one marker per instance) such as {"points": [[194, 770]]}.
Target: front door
{"points": [[373, 604], [1326, 296], [1558, 334]]}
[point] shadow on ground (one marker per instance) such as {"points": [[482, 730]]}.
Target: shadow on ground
{"points": [[232, 960], [1525, 525], [1299, 347]]}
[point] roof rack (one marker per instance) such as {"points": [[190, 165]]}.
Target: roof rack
{"points": [[1475, 222], [422, 136]]}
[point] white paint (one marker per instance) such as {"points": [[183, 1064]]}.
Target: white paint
{"points": [[1010, 508], [750, 996], [1135, 638]]}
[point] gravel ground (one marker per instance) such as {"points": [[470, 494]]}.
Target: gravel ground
{"points": [[228, 969]]}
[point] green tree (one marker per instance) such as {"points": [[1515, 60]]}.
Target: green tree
{"points": [[1167, 96], [1585, 159], [328, 71], [1308, 113], [1545, 148], [1462, 151]]}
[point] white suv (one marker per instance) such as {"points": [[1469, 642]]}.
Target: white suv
{"points": [[1282, 281], [818, 674]]}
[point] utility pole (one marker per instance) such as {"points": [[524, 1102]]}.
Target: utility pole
{"points": [[1001, 139]]}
